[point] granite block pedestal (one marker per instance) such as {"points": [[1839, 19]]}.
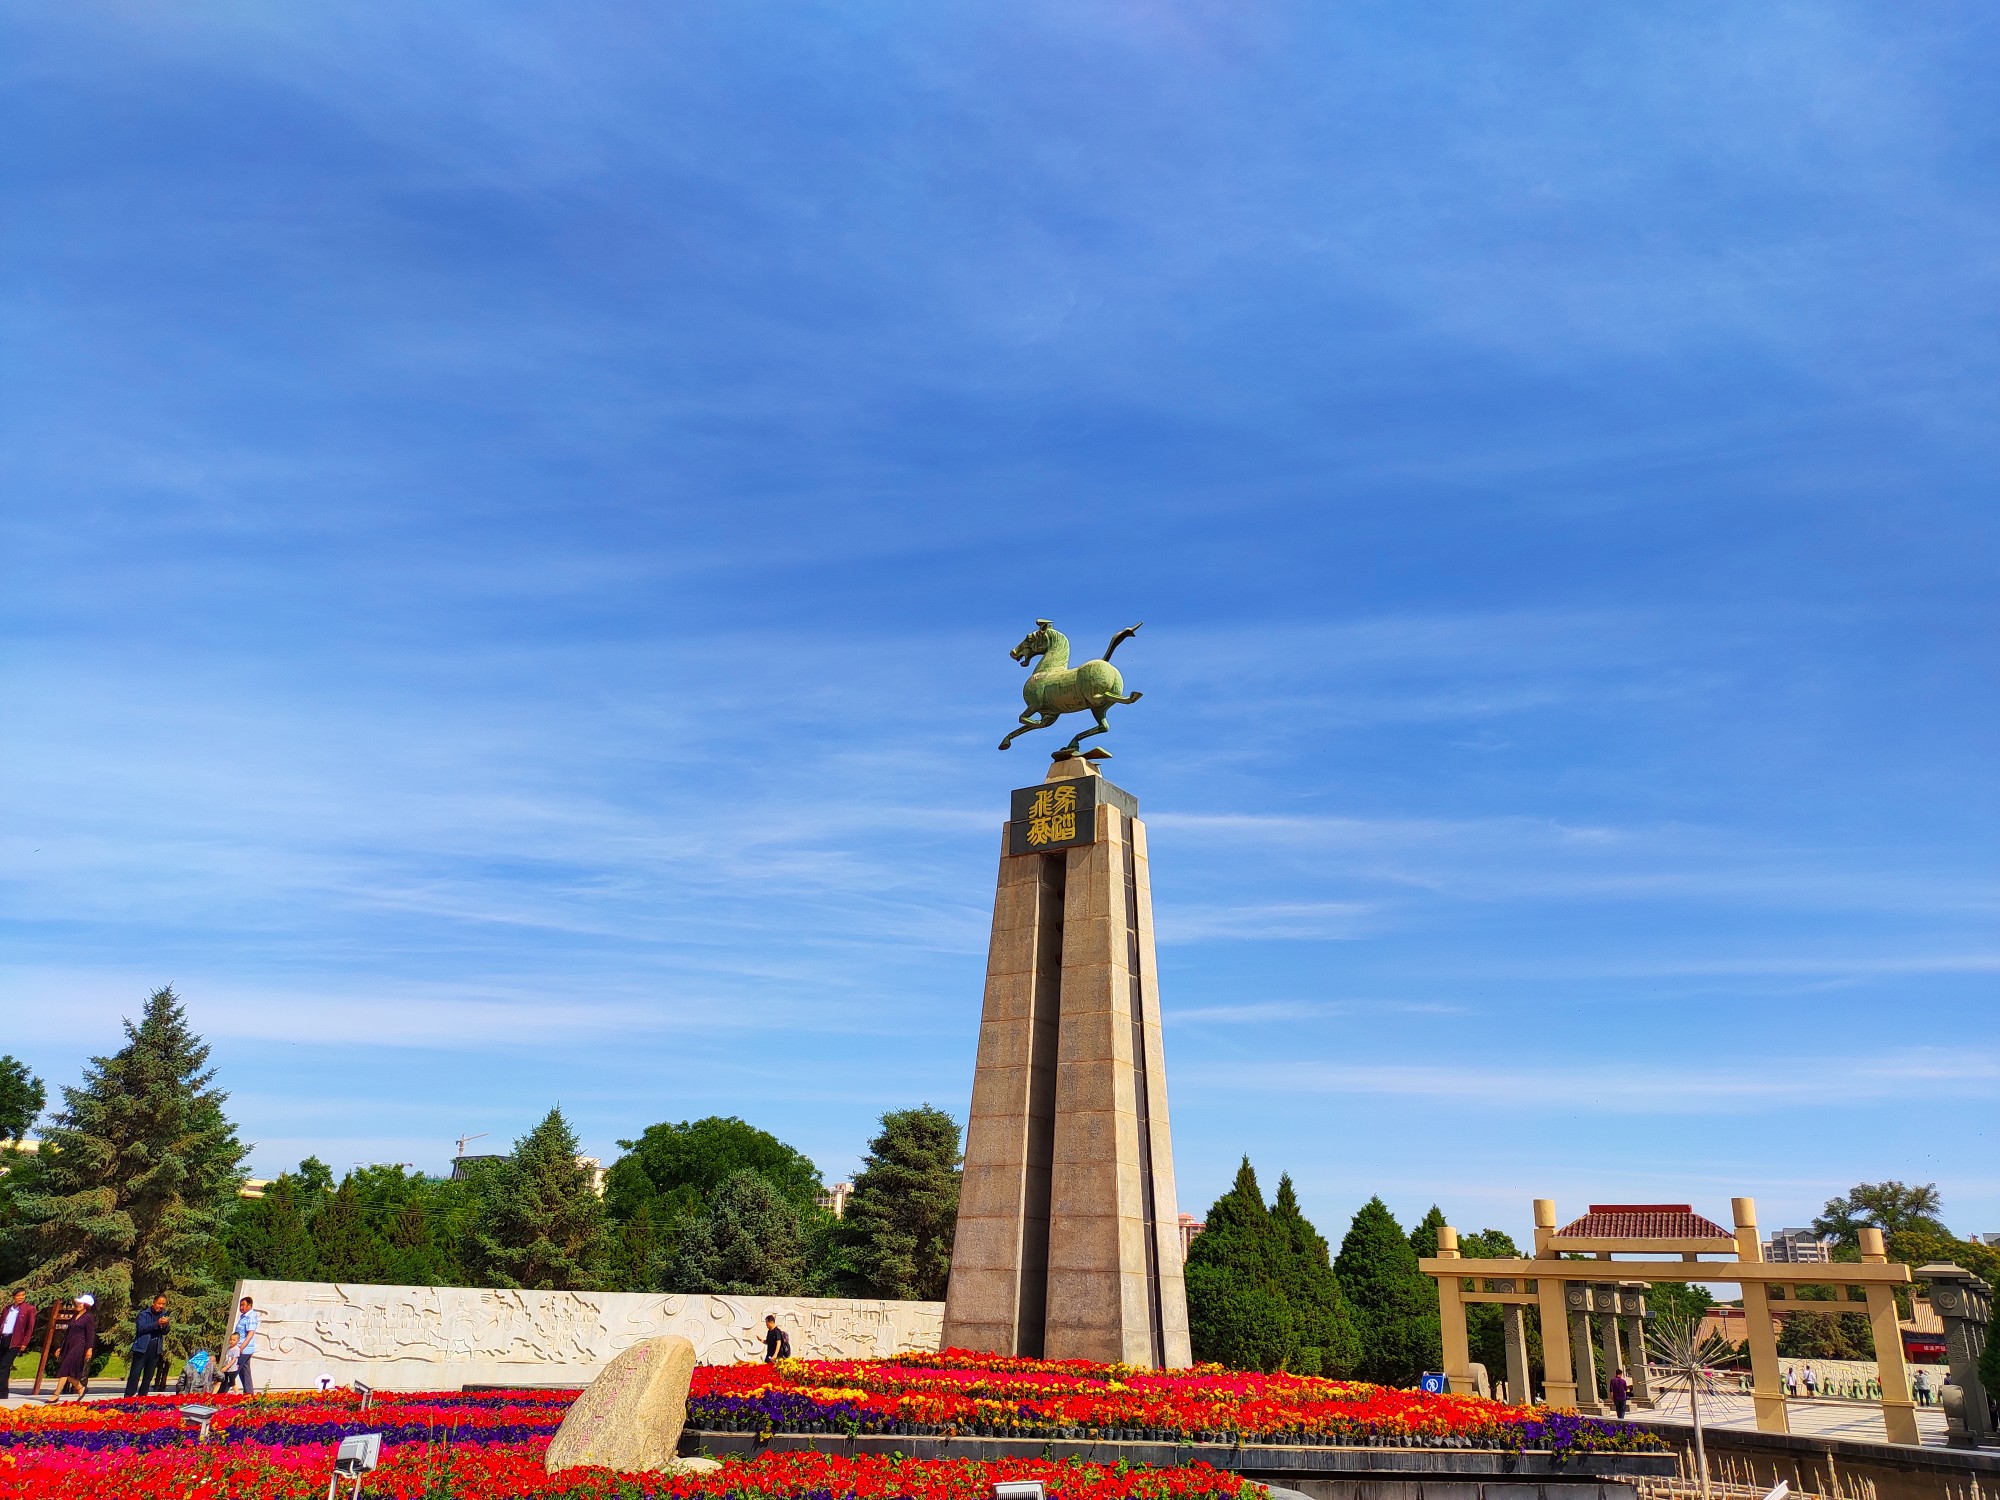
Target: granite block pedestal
{"points": [[1068, 1245]]}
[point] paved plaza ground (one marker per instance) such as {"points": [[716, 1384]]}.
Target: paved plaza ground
{"points": [[1858, 1421]]}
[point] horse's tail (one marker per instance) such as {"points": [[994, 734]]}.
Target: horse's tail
{"points": [[1126, 634]]}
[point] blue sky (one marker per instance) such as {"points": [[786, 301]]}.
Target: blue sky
{"points": [[515, 516]]}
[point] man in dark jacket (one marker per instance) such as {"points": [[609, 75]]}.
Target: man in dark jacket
{"points": [[17, 1331], [149, 1346]]}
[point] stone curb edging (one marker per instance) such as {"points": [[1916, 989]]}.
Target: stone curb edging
{"points": [[1298, 1461], [1853, 1450]]}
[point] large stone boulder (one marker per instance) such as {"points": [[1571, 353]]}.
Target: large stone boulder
{"points": [[630, 1416]]}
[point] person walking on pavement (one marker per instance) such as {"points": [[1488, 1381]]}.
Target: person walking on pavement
{"points": [[777, 1343], [1621, 1391], [1921, 1389], [245, 1329], [79, 1344], [149, 1346], [17, 1331], [1812, 1383]]}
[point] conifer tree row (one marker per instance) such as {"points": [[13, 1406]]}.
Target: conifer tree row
{"points": [[135, 1191], [1261, 1293]]}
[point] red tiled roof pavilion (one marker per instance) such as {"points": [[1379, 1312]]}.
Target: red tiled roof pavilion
{"points": [[1643, 1221]]}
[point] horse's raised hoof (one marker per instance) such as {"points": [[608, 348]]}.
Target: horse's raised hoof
{"points": [[1063, 754], [1097, 755], [1006, 744]]}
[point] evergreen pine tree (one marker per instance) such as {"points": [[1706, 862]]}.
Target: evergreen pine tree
{"points": [[412, 1241], [539, 1224], [904, 1211], [1485, 1322], [137, 1173], [636, 1257], [1394, 1303], [1237, 1311], [1329, 1341], [267, 1237], [749, 1244], [1424, 1238], [346, 1245]]}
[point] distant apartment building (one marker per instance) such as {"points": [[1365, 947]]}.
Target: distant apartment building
{"points": [[1190, 1227], [1797, 1247], [834, 1199]]}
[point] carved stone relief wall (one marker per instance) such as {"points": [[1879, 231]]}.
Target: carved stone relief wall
{"points": [[440, 1338]]}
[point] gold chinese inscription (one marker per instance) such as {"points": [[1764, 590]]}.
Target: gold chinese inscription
{"points": [[1052, 815]]}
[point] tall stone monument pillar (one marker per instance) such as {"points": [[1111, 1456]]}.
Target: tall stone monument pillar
{"points": [[1068, 1243]]}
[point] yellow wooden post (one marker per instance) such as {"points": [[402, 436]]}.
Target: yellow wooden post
{"points": [[1451, 1319], [1558, 1377], [1767, 1388], [1899, 1411]]}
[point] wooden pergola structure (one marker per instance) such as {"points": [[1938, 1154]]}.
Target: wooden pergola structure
{"points": [[1560, 1288]]}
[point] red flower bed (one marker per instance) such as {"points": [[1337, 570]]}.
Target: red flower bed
{"points": [[514, 1472], [992, 1395], [489, 1445]]}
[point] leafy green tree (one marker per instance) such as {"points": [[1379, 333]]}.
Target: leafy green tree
{"points": [[677, 1168], [904, 1211], [1329, 1341], [137, 1173], [347, 1246], [748, 1244], [1989, 1364], [315, 1179], [539, 1224], [21, 1098], [1237, 1312], [1915, 1234], [1891, 1207], [1679, 1301], [21, 1180], [1816, 1335], [1394, 1302]]}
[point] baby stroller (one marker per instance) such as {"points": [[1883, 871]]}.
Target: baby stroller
{"points": [[197, 1377]]}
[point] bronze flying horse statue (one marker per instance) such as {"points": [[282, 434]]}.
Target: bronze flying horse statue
{"points": [[1055, 688]]}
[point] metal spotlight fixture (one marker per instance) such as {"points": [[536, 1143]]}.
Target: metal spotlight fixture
{"points": [[354, 1460], [198, 1417]]}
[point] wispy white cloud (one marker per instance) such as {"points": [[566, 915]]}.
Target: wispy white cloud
{"points": [[1255, 1012], [1628, 1089], [1307, 920]]}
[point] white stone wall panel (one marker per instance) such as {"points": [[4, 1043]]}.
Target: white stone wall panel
{"points": [[441, 1338]]}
